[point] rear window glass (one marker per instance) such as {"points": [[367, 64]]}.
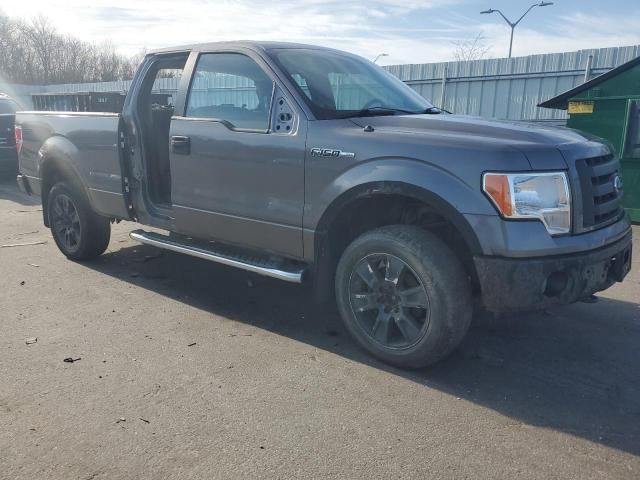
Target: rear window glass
{"points": [[7, 106]]}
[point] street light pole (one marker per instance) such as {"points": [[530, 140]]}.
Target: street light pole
{"points": [[379, 56], [513, 25], [513, 30]]}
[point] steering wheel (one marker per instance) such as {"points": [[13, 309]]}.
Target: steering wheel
{"points": [[374, 102]]}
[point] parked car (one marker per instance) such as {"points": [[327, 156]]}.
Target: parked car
{"points": [[8, 157], [308, 164]]}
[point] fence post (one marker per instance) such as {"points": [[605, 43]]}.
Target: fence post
{"points": [[587, 70], [443, 95]]}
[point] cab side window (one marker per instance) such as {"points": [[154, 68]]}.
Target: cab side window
{"points": [[231, 87]]}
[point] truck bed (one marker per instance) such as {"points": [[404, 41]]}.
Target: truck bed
{"points": [[87, 142]]}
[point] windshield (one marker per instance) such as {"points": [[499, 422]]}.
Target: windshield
{"points": [[336, 85]]}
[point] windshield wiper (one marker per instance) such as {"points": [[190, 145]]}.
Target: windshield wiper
{"points": [[376, 111], [435, 111], [381, 110]]}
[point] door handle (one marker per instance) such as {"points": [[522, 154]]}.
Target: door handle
{"points": [[181, 145]]}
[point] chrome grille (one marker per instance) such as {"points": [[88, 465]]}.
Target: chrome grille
{"points": [[601, 201]]}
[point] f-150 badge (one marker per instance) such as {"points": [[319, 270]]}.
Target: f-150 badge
{"points": [[330, 152]]}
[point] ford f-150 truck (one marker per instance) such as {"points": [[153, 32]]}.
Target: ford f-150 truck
{"points": [[308, 164]]}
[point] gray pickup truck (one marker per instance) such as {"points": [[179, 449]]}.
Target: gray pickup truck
{"points": [[313, 165]]}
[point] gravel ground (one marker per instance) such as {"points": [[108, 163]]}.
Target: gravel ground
{"points": [[192, 370]]}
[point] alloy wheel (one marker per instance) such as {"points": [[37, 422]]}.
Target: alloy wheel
{"points": [[65, 222], [389, 301]]}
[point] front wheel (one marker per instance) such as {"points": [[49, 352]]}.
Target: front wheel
{"points": [[403, 295], [79, 232]]}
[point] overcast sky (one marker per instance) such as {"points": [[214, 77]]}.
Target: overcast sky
{"points": [[410, 31]]}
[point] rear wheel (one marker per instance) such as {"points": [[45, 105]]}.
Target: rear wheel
{"points": [[80, 233], [403, 295]]}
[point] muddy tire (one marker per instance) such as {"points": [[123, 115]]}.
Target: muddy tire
{"points": [[403, 295]]}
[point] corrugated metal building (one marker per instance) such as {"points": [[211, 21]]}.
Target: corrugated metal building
{"points": [[500, 88], [510, 88]]}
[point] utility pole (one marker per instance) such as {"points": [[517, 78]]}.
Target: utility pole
{"points": [[513, 25]]}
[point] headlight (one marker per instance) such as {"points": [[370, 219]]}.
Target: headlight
{"points": [[542, 196]]}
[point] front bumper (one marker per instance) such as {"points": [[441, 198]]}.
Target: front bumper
{"points": [[517, 284]]}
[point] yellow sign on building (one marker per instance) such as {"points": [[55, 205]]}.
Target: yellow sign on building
{"points": [[581, 107]]}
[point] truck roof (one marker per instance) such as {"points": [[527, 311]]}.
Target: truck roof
{"points": [[250, 44]]}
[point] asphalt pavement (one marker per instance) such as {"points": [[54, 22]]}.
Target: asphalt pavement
{"points": [[188, 370]]}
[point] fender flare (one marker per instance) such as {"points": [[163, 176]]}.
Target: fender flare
{"points": [[55, 161], [443, 207]]}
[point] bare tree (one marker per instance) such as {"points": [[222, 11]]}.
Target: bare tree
{"points": [[474, 49], [137, 58], [36, 53]]}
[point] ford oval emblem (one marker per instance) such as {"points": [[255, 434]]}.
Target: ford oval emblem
{"points": [[617, 183]]}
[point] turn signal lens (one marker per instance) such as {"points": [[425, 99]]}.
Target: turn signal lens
{"points": [[498, 188]]}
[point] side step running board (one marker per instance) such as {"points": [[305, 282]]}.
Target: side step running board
{"points": [[262, 266]]}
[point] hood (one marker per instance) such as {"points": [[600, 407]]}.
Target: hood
{"points": [[540, 144], [515, 133]]}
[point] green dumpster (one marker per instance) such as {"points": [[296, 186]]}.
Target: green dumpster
{"points": [[609, 107]]}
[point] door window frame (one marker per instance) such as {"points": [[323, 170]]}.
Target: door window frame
{"points": [[188, 80]]}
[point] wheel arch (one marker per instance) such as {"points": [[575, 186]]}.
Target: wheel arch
{"points": [[55, 168], [400, 189], [371, 196]]}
